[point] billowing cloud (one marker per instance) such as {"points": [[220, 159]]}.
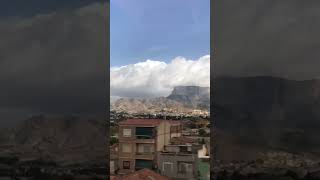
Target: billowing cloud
{"points": [[153, 78]]}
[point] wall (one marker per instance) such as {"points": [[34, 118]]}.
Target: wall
{"points": [[163, 135], [175, 159]]}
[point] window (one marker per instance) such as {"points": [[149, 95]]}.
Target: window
{"points": [[184, 167], [126, 132], [183, 149], [126, 164], [144, 132], [126, 148], [167, 167], [145, 148], [141, 164]]}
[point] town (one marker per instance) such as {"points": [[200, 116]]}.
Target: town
{"points": [[162, 146]]}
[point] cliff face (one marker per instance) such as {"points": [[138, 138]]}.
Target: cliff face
{"points": [[135, 105], [182, 99], [269, 112], [193, 96]]}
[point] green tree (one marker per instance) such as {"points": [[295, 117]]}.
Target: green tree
{"points": [[113, 141], [202, 132]]}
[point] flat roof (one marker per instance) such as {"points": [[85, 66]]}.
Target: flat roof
{"points": [[147, 122]]}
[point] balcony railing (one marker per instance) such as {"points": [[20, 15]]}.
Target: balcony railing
{"points": [[144, 153], [149, 156], [144, 137], [145, 140]]}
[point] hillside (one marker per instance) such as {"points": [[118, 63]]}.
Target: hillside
{"points": [[193, 96], [182, 99]]}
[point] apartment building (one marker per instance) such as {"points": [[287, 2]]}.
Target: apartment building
{"points": [[139, 140]]}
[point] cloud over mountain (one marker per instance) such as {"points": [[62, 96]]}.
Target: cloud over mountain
{"points": [[153, 78]]}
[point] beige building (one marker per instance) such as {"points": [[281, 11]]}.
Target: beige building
{"points": [[139, 142]]}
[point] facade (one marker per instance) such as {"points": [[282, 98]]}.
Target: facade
{"points": [[139, 142], [179, 161]]}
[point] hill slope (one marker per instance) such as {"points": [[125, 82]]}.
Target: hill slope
{"points": [[182, 99]]}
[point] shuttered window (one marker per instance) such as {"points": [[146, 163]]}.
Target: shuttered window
{"points": [[126, 132], [167, 167], [184, 167]]}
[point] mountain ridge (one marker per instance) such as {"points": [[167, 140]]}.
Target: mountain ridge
{"points": [[182, 99]]}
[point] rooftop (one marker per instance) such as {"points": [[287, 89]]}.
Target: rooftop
{"points": [[146, 122], [151, 122], [143, 174], [175, 122], [182, 140]]}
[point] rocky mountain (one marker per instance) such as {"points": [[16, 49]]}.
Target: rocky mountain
{"points": [[268, 112], [193, 96], [182, 99], [151, 105]]}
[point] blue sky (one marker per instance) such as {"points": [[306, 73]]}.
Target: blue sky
{"points": [[158, 30]]}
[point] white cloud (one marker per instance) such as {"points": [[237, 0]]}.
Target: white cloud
{"points": [[153, 78]]}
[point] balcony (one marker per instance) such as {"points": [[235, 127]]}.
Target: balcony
{"points": [[147, 156], [145, 140]]}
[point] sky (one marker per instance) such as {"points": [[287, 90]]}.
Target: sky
{"points": [[157, 45], [158, 30]]}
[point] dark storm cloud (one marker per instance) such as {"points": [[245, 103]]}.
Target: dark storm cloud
{"points": [[54, 63], [267, 37]]}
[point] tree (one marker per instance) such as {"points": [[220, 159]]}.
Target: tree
{"points": [[113, 141], [202, 132]]}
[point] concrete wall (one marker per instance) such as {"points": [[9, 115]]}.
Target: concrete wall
{"points": [[163, 135], [174, 159]]}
